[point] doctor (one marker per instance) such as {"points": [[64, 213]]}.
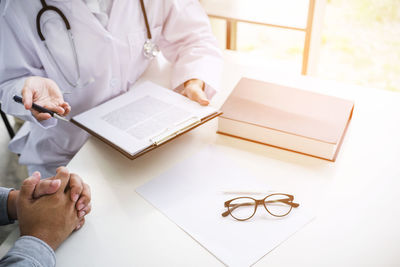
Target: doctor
{"points": [[71, 55]]}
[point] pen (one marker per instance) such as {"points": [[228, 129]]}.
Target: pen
{"points": [[40, 109]]}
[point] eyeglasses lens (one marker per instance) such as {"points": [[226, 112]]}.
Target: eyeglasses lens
{"points": [[278, 205], [242, 208]]}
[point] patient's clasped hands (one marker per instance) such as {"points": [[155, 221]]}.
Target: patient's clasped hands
{"points": [[50, 209]]}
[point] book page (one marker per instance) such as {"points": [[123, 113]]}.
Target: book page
{"points": [[131, 120]]}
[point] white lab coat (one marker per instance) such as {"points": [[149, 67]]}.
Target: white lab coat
{"points": [[112, 55]]}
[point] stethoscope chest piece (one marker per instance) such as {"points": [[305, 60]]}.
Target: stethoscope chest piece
{"points": [[150, 49]]}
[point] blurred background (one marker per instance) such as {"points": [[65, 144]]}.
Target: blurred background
{"points": [[352, 41]]}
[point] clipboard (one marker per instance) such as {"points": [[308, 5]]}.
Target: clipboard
{"points": [[157, 140], [143, 118]]}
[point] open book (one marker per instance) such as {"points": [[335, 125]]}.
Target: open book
{"points": [[144, 118]]}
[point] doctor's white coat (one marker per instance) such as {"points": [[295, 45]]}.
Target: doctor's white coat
{"points": [[111, 55]]}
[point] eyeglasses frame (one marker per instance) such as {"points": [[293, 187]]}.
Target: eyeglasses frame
{"points": [[258, 202]]}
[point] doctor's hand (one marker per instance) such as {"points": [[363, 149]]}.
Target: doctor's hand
{"points": [[51, 218], [46, 93], [194, 90]]}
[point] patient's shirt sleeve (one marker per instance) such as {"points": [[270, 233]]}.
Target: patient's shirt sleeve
{"points": [[29, 251], [3, 206]]}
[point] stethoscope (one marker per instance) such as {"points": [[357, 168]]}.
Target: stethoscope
{"points": [[150, 49]]}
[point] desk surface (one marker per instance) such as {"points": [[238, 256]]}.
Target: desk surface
{"points": [[355, 199]]}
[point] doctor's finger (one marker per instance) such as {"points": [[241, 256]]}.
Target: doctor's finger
{"points": [[40, 116], [183, 92], [66, 107], [197, 94], [53, 107], [27, 97]]}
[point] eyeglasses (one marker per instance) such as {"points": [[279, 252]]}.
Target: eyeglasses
{"points": [[243, 208]]}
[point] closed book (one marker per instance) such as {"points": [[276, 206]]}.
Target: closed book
{"points": [[285, 117]]}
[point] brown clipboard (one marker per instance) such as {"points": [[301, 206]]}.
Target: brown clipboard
{"points": [[154, 145]]}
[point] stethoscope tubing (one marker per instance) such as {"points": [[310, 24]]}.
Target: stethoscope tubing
{"points": [[66, 22], [49, 8], [146, 21]]}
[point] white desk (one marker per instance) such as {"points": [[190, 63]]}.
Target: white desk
{"points": [[355, 199]]}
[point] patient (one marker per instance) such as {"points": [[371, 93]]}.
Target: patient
{"points": [[48, 211]]}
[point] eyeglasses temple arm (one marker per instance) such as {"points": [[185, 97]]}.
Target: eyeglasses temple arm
{"points": [[286, 201], [225, 213]]}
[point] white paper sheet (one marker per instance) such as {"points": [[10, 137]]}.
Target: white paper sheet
{"points": [[191, 195]]}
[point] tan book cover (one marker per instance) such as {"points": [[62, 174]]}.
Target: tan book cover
{"points": [[286, 117]]}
